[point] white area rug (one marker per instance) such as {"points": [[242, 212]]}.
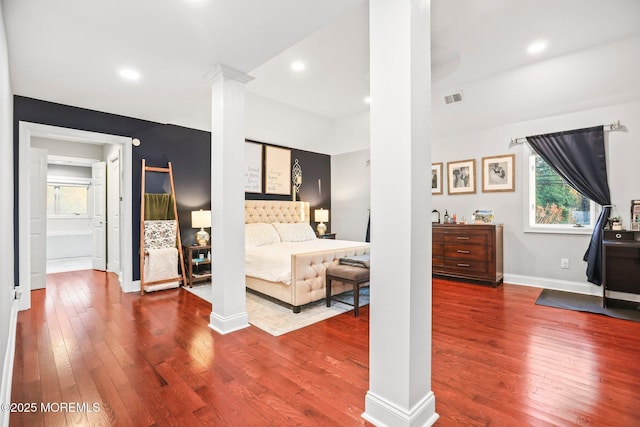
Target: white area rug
{"points": [[277, 319]]}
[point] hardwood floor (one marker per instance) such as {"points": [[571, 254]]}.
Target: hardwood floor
{"points": [[498, 359]]}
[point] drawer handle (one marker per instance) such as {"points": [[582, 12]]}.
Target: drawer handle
{"points": [[463, 252], [618, 236], [463, 265], [462, 238]]}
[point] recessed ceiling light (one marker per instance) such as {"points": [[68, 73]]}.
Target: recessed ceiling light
{"points": [[536, 47], [129, 74], [367, 100], [298, 66]]}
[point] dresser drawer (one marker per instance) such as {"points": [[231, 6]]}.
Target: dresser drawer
{"points": [[463, 266], [468, 237], [618, 235], [466, 252]]}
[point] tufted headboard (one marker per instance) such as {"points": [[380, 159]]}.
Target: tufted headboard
{"points": [[275, 211]]}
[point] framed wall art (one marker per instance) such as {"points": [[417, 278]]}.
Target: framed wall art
{"points": [[461, 177], [252, 167], [436, 178], [277, 178], [498, 173]]}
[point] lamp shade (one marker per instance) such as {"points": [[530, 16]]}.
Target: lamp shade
{"points": [[321, 215], [200, 219]]}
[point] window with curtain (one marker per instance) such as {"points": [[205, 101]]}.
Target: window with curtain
{"points": [[553, 206]]}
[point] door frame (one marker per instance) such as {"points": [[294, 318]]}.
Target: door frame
{"points": [[27, 130]]}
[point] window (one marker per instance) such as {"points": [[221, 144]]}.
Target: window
{"points": [[67, 199], [552, 205]]}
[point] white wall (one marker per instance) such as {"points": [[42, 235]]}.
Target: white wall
{"points": [[8, 313], [276, 123], [68, 148], [350, 199]]}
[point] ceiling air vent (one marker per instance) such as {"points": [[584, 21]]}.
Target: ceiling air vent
{"points": [[453, 98]]}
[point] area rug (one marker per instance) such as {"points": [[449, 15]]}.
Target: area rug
{"points": [[277, 320], [589, 303]]}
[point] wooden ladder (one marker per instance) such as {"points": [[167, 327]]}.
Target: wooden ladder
{"points": [[182, 277]]}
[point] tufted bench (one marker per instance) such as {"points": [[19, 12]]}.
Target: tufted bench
{"points": [[347, 274]]}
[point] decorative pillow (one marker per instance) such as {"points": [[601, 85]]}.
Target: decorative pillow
{"points": [[295, 232], [260, 234], [159, 234]]}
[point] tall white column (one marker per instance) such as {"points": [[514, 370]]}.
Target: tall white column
{"points": [[227, 199], [400, 314]]}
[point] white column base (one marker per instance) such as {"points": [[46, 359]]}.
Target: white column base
{"points": [[225, 325], [381, 412]]}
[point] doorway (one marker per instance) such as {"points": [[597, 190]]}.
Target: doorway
{"points": [[30, 237]]}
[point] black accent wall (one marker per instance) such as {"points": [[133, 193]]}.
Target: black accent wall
{"points": [[189, 151]]}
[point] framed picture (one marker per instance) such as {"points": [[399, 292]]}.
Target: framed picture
{"points": [[436, 178], [461, 177], [498, 173], [252, 167], [277, 179]]}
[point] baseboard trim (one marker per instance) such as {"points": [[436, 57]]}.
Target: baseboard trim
{"points": [[382, 412], [133, 286], [226, 325], [7, 368], [558, 285]]}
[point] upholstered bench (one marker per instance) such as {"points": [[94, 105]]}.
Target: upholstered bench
{"points": [[347, 274]]}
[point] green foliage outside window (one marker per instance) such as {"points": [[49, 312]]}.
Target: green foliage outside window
{"points": [[556, 201]]}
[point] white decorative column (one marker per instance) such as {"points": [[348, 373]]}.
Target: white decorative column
{"points": [[227, 199], [400, 314]]}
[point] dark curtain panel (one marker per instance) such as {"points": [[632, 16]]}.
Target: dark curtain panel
{"points": [[578, 157], [367, 238]]}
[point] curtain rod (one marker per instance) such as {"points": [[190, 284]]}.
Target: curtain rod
{"points": [[612, 126]]}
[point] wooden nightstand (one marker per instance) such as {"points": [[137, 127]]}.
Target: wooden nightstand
{"points": [[197, 265], [327, 236]]}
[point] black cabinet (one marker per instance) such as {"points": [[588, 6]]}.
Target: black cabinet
{"points": [[620, 263]]}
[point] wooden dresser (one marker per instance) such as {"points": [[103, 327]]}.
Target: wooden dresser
{"points": [[470, 251]]}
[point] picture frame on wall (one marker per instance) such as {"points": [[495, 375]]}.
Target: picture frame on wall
{"points": [[436, 178], [461, 177], [252, 167], [498, 173], [277, 178]]}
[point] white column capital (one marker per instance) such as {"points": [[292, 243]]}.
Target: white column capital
{"points": [[223, 72]]}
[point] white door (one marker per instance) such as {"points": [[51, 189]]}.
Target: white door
{"points": [[113, 214], [38, 218], [99, 226]]}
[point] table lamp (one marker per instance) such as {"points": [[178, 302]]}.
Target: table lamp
{"points": [[321, 215], [201, 219]]}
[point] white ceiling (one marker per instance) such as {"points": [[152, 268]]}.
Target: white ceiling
{"points": [[69, 51]]}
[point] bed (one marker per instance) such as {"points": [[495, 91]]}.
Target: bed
{"points": [[300, 261]]}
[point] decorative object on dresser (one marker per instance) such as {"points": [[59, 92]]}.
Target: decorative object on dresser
{"points": [[620, 264], [472, 252], [461, 177], [321, 216], [498, 173], [201, 219], [436, 178]]}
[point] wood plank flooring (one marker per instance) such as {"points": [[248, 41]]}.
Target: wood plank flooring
{"points": [[498, 359]]}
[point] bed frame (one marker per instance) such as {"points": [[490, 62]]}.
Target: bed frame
{"points": [[307, 269]]}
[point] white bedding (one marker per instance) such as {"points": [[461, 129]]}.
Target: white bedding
{"points": [[273, 262]]}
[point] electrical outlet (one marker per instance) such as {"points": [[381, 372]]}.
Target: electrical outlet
{"points": [[564, 263]]}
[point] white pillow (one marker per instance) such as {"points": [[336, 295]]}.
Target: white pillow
{"points": [[260, 234], [294, 232]]}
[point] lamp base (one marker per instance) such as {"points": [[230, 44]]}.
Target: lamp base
{"points": [[202, 237], [322, 228]]}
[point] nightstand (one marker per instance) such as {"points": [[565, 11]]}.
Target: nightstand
{"points": [[197, 264], [327, 236]]}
